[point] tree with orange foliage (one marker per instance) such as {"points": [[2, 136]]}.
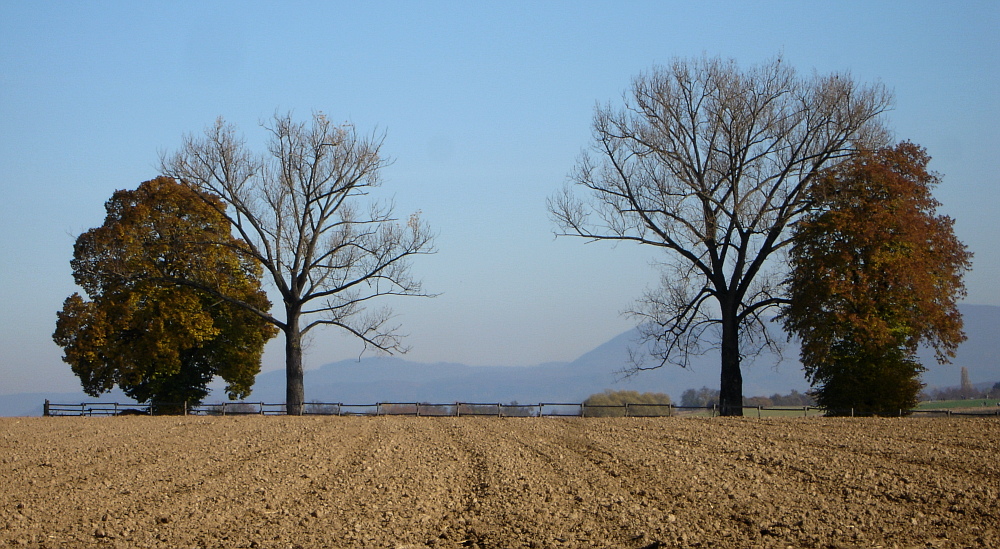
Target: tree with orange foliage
{"points": [[142, 330], [875, 273]]}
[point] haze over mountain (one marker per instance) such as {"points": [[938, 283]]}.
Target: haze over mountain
{"points": [[386, 379], [393, 379]]}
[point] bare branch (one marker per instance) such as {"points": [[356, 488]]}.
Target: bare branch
{"points": [[712, 164], [299, 208]]}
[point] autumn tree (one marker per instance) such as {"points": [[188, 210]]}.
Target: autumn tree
{"points": [[875, 273], [711, 165], [301, 208], [140, 330]]}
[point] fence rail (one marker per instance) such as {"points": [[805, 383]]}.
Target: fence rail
{"points": [[456, 409]]}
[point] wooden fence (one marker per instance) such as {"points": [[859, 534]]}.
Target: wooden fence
{"points": [[456, 409]]}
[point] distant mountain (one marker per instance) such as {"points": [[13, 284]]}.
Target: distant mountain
{"points": [[390, 379]]}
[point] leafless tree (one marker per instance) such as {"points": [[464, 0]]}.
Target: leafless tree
{"points": [[710, 163], [301, 209]]}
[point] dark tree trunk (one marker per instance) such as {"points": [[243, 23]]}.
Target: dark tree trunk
{"points": [[731, 388], [295, 395]]}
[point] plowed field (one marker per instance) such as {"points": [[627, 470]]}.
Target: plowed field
{"points": [[405, 482]]}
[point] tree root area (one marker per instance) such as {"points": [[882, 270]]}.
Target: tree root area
{"points": [[408, 482]]}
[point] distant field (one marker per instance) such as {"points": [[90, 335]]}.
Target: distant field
{"points": [[965, 403]]}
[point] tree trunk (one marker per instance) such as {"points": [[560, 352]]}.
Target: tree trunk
{"points": [[731, 389], [295, 394]]}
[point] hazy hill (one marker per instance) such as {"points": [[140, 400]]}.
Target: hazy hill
{"points": [[386, 379], [393, 379], [389, 379]]}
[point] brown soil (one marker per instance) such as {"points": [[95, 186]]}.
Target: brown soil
{"points": [[406, 482]]}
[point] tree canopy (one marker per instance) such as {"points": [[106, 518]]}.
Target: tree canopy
{"points": [[875, 273], [138, 328], [711, 164]]}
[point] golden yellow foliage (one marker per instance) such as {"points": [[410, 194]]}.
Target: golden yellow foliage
{"points": [[165, 278]]}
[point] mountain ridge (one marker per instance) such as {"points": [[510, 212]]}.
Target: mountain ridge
{"points": [[394, 379]]}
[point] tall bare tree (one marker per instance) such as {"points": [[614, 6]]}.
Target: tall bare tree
{"points": [[301, 208], [711, 163]]}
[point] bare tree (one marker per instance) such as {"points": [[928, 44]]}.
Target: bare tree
{"points": [[300, 208], [710, 163]]}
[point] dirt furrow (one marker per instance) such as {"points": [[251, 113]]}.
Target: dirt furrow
{"points": [[408, 483]]}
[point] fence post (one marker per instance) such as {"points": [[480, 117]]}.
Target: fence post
{"points": [[626, 409], [45, 409], [758, 411]]}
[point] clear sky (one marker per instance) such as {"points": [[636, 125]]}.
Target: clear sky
{"points": [[486, 106]]}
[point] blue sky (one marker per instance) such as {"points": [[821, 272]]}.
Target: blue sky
{"points": [[486, 106]]}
